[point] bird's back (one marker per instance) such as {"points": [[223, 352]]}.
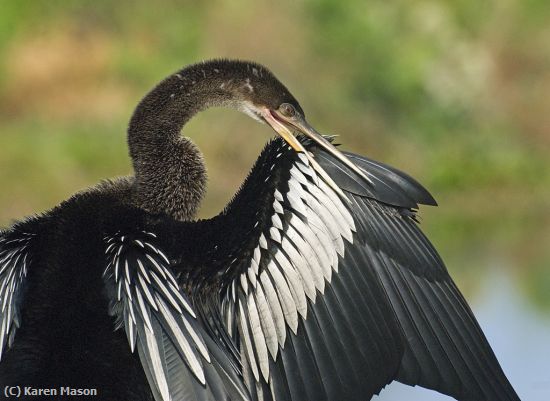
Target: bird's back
{"points": [[67, 338]]}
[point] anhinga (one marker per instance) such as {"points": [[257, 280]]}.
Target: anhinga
{"points": [[314, 283]]}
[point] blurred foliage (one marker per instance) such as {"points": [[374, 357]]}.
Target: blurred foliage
{"points": [[454, 93]]}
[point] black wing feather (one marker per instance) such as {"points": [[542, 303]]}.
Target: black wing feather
{"points": [[393, 178], [446, 349]]}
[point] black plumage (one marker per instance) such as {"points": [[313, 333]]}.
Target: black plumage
{"points": [[314, 283]]}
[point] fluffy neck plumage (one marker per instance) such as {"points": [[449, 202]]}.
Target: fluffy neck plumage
{"points": [[170, 176]]}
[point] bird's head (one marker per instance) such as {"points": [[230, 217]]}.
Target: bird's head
{"points": [[257, 92]]}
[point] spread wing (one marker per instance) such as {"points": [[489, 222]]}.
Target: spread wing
{"points": [[14, 263], [330, 297], [180, 362]]}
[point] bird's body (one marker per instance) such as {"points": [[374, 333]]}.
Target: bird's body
{"points": [[314, 283], [66, 338]]}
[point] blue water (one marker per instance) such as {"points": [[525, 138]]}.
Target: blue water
{"points": [[519, 335]]}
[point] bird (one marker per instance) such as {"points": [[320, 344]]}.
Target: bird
{"points": [[315, 282]]}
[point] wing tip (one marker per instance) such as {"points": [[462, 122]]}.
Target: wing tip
{"points": [[397, 179], [426, 198]]}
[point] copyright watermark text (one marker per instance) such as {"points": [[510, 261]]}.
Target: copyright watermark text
{"points": [[29, 391]]}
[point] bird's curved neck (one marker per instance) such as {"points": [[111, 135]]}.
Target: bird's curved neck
{"points": [[170, 175]]}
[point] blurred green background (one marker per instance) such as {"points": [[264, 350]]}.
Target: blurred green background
{"points": [[456, 93]]}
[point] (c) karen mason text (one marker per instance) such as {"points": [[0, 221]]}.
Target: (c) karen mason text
{"points": [[28, 391]]}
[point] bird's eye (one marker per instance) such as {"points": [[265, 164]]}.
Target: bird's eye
{"points": [[287, 110]]}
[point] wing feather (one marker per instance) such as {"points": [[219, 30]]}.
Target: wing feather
{"points": [[294, 270], [14, 263], [275, 308], [160, 322]]}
